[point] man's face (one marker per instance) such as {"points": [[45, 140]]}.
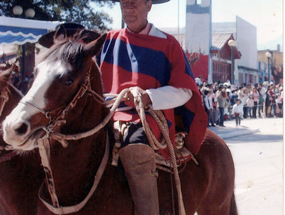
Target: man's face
{"points": [[135, 13]]}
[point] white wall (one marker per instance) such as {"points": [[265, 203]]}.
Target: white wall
{"points": [[197, 31], [247, 43]]}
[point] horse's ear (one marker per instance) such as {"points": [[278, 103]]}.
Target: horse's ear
{"points": [[60, 34], [7, 74], [95, 46]]}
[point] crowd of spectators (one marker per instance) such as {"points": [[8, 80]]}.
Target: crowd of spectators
{"points": [[255, 100]]}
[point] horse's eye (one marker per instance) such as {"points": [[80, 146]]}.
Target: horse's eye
{"points": [[67, 79], [68, 82]]}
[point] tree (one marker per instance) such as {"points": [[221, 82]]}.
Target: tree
{"points": [[78, 11], [277, 73], [63, 10]]}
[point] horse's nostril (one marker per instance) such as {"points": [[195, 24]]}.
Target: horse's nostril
{"points": [[22, 129]]}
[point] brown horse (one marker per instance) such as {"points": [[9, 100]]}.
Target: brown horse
{"points": [[20, 174], [64, 99]]}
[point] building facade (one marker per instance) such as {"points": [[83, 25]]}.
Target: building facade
{"points": [[207, 49], [198, 37], [274, 64], [247, 65], [222, 56], [245, 35]]}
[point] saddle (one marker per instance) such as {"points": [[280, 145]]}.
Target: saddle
{"points": [[183, 155]]}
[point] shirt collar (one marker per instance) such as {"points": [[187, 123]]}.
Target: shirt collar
{"points": [[145, 31], [150, 30]]}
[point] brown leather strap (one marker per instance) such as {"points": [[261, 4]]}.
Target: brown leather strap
{"points": [[97, 178]]}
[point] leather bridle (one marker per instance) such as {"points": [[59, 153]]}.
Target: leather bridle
{"points": [[57, 116], [44, 147]]}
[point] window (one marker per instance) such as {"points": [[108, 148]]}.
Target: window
{"points": [[215, 66], [240, 78]]}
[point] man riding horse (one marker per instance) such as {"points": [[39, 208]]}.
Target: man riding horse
{"points": [[153, 66]]}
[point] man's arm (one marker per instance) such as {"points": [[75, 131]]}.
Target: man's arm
{"points": [[168, 97], [161, 98]]}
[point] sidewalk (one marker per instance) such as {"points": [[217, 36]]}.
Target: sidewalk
{"points": [[248, 126]]}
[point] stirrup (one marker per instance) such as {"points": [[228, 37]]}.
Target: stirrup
{"points": [[183, 155]]}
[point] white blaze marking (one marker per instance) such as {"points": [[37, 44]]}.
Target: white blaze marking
{"points": [[36, 95], [44, 79], [47, 72]]}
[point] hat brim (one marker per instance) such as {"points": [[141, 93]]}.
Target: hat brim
{"points": [[47, 39], [153, 1]]}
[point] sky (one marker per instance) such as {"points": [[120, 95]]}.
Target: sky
{"points": [[266, 15]]}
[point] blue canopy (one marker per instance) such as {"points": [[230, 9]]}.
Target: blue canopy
{"points": [[20, 31]]}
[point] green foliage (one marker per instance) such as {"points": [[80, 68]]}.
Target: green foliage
{"points": [[78, 11]]}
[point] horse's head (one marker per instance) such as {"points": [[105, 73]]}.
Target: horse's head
{"points": [[63, 72]]}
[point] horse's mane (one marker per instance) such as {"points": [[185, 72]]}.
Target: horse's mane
{"points": [[68, 49]]}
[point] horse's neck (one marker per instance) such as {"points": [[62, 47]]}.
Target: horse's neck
{"points": [[74, 167], [91, 109]]}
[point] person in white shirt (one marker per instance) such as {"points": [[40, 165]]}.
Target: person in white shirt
{"points": [[209, 106], [237, 111], [262, 91], [243, 96], [198, 80], [250, 105]]}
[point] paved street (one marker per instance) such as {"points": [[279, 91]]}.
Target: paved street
{"points": [[257, 148]]}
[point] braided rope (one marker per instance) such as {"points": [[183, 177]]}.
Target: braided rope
{"points": [[161, 121], [154, 143]]}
